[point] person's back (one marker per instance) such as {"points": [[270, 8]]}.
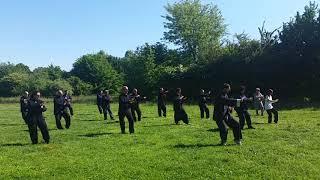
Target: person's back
{"points": [[58, 103], [177, 104]]}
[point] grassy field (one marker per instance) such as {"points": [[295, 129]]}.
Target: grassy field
{"points": [[95, 149]]}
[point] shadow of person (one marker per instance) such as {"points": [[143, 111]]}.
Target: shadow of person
{"points": [[213, 130], [13, 145], [184, 146], [93, 135]]}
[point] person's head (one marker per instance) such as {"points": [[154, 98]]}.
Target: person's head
{"points": [[242, 89], [201, 92], [135, 91], [178, 91], [60, 93], [257, 90], [226, 88], [106, 92], [270, 92], [161, 90], [125, 90], [35, 95], [26, 94]]}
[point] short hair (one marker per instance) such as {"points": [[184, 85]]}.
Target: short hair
{"points": [[226, 86], [270, 91]]}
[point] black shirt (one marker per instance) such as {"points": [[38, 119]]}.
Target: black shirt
{"points": [[99, 99], [221, 106], [106, 100], [162, 98], [36, 107], [24, 104], [124, 103], [177, 104], [59, 105]]}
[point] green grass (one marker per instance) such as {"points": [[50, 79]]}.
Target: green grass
{"points": [[94, 149]]}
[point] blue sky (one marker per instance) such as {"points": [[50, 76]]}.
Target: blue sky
{"points": [[41, 32]]}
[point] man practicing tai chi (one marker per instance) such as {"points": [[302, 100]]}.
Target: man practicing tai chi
{"points": [[242, 111], [24, 106], [135, 108], [269, 107], [179, 112], [125, 110], [258, 102], [203, 99], [36, 120], [99, 101], [223, 118], [162, 109], [61, 110], [106, 100]]}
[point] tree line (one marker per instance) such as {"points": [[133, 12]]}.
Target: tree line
{"points": [[286, 59]]}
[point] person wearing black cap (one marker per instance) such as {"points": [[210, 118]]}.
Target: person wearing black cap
{"points": [[162, 109], [36, 120], [203, 99], [125, 110], [242, 111], [106, 100], [99, 101], [135, 108], [269, 107], [179, 112], [24, 106], [223, 118]]}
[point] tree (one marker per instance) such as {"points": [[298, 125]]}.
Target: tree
{"points": [[96, 70], [196, 28], [14, 84], [79, 86]]}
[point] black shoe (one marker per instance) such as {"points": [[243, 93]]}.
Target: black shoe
{"points": [[223, 143]]}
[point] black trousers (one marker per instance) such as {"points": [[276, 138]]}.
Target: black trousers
{"points": [[181, 115], [204, 109], [224, 123], [275, 113], [136, 112], [66, 117], [34, 122], [244, 117], [106, 110], [100, 108], [25, 117], [128, 115], [162, 110]]}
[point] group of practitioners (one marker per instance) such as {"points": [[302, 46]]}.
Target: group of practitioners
{"points": [[32, 108]]}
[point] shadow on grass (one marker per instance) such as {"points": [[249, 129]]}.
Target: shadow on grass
{"points": [[13, 145], [213, 130], [113, 122], [259, 123], [10, 125], [161, 125], [90, 120], [184, 146], [93, 135]]}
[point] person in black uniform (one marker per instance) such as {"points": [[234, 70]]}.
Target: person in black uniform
{"points": [[203, 104], [68, 99], [135, 108], [162, 109], [223, 118], [179, 112], [99, 101], [24, 106], [125, 110], [242, 111], [60, 110], [36, 108], [106, 100]]}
